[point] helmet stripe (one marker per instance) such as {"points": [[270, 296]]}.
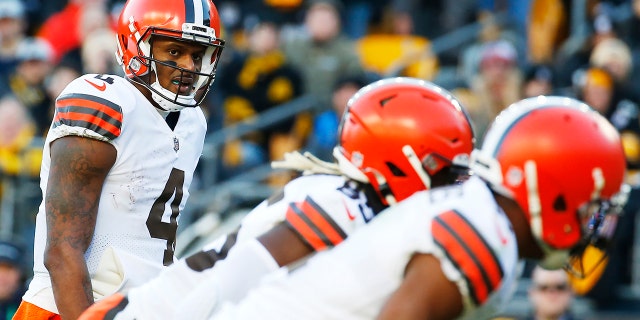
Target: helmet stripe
{"points": [[512, 115], [494, 141], [206, 18], [189, 11], [197, 11]]}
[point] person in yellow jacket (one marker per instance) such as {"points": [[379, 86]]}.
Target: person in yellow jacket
{"points": [[17, 131]]}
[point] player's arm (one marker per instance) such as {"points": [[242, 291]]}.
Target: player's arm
{"points": [[425, 293], [284, 245], [307, 227], [78, 170]]}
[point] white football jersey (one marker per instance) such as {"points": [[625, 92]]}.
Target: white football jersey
{"points": [[322, 209], [146, 188], [460, 225]]}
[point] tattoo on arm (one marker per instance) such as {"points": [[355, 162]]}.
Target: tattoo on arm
{"points": [[79, 167], [73, 191]]}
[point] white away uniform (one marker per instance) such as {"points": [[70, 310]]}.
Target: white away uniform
{"points": [[322, 209], [460, 225], [143, 193]]}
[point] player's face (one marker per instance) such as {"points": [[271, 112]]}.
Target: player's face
{"points": [[177, 54]]}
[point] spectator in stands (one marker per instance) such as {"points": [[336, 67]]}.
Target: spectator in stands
{"points": [[12, 280], [538, 80], [27, 81], [253, 82], [66, 29], [469, 64], [392, 48], [16, 133], [324, 135], [94, 30], [59, 78], [497, 85], [614, 55], [550, 295], [598, 88], [12, 31], [97, 50], [325, 55], [20, 159]]}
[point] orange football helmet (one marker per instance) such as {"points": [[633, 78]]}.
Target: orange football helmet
{"points": [[398, 133], [184, 20], [564, 165]]}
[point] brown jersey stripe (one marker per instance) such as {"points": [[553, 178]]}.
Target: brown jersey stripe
{"points": [[296, 219], [97, 114], [471, 254]]}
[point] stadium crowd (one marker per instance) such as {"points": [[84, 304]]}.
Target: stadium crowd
{"points": [[280, 50]]}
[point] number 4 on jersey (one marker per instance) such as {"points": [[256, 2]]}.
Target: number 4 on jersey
{"points": [[167, 230]]}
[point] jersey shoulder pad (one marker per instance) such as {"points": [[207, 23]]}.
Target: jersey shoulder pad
{"points": [[321, 217], [466, 246], [94, 102]]}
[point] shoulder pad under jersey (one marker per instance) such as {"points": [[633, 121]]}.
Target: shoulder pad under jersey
{"points": [[94, 102], [324, 216]]}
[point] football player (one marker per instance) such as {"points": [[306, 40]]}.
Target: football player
{"points": [[547, 182], [119, 158], [397, 136]]}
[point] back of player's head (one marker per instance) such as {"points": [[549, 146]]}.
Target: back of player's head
{"points": [[564, 165], [403, 135], [187, 21]]}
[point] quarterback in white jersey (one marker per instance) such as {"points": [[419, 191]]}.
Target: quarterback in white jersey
{"points": [[547, 184], [426, 138], [119, 158]]}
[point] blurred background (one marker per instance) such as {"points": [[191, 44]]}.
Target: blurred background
{"points": [[287, 72]]}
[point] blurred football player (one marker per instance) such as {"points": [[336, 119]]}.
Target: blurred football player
{"points": [[119, 158], [547, 182], [397, 136]]}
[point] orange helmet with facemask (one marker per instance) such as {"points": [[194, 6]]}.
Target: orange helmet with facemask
{"points": [[399, 133], [563, 164], [194, 21]]}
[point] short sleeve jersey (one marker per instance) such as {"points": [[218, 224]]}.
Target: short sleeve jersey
{"points": [[146, 188]]}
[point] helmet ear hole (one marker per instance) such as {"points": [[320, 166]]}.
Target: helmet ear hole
{"points": [[395, 170], [559, 204]]}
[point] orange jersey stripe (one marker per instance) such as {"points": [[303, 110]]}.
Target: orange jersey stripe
{"points": [[314, 225], [466, 249], [91, 112], [30, 311], [105, 309], [93, 104], [323, 221], [310, 236], [74, 116]]}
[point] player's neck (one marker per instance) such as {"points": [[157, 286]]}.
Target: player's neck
{"points": [[527, 245], [147, 94]]}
